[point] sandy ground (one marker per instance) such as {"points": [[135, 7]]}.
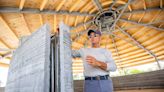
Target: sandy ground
{"points": [[143, 90]]}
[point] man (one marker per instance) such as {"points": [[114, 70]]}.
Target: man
{"points": [[97, 63]]}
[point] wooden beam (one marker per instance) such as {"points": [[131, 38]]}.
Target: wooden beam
{"points": [[75, 4], [161, 3], [143, 10], [131, 50], [140, 46], [81, 24], [9, 47], [137, 53], [7, 26], [155, 16], [143, 24], [41, 19], [60, 5], [22, 2], [3, 65], [143, 62], [144, 4], [144, 57], [161, 25], [66, 19], [141, 17], [107, 2], [76, 20], [85, 7], [22, 16], [55, 24], [43, 4]]}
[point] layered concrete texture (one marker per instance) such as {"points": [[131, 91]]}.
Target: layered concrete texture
{"points": [[65, 59], [29, 68]]}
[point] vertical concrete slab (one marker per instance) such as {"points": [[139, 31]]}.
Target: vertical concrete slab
{"points": [[66, 78], [29, 68]]}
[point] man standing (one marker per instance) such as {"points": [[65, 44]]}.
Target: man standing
{"points": [[97, 62]]}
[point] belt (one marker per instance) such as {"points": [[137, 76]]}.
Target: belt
{"points": [[105, 77]]}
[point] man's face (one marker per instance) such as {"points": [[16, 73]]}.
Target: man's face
{"points": [[94, 38]]}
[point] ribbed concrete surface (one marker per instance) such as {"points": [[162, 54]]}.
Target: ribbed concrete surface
{"points": [[29, 70]]}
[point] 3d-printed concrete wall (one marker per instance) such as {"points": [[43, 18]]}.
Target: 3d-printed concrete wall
{"points": [[29, 70]]}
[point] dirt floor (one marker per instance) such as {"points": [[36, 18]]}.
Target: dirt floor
{"points": [[143, 90]]}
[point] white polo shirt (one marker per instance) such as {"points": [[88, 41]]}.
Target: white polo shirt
{"points": [[100, 54]]}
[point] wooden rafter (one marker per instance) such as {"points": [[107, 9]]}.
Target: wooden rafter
{"points": [[76, 20], [41, 19], [60, 5], [161, 3], [23, 18], [66, 19], [4, 43], [43, 4], [141, 17], [22, 2], [74, 5], [140, 46], [55, 23], [7, 26], [144, 4]]}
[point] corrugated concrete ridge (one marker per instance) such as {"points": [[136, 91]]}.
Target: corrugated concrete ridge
{"points": [[29, 70]]}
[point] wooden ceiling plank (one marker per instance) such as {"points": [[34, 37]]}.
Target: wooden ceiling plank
{"points": [[7, 26], [22, 2], [76, 20], [155, 16], [66, 19], [44, 2], [141, 17], [23, 18], [134, 50], [143, 62], [161, 25], [141, 46], [142, 24], [143, 10], [60, 5], [55, 23], [74, 5], [9, 47], [135, 41], [139, 55], [161, 3], [138, 59], [41, 19], [144, 4], [85, 7]]}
